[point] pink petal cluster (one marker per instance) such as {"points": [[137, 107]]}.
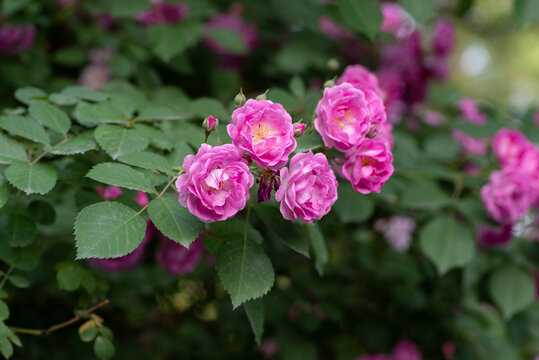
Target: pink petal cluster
{"points": [[344, 117], [216, 183], [396, 20], [333, 30], [443, 38], [361, 78], [15, 39], [368, 167], [177, 259], [470, 111], [130, 260], [109, 192], [508, 195], [263, 129], [164, 13], [470, 145], [397, 231], [513, 150], [234, 22], [308, 188]]}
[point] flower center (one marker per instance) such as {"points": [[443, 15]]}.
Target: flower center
{"points": [[367, 161], [260, 132], [345, 120]]}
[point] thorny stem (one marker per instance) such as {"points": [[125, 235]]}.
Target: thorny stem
{"points": [[6, 276], [45, 332], [46, 152]]}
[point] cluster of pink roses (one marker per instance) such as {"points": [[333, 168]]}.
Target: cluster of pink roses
{"points": [[512, 190], [351, 117], [217, 180]]}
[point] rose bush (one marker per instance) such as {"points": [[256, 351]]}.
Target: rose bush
{"points": [[180, 177]]}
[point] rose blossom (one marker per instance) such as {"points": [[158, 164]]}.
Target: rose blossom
{"points": [[177, 259], [163, 13], [109, 192], [308, 189], [396, 21], [406, 350], [265, 130], [513, 150], [16, 38], [470, 144], [508, 195], [360, 78], [344, 117], [368, 167], [443, 38], [492, 237], [471, 112], [216, 183], [385, 135]]}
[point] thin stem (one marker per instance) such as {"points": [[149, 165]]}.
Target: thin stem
{"points": [[206, 137], [249, 206], [6, 276], [456, 193], [46, 152], [59, 326], [166, 187]]}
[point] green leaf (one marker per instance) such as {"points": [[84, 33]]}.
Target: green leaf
{"points": [[441, 147], [6, 349], [123, 104], [320, 249], [160, 113], [32, 179], [173, 220], [17, 230], [25, 127], [28, 95], [4, 311], [42, 212], [19, 281], [181, 150], [291, 234], [424, 195], [98, 113], [447, 243], [71, 276], [297, 87], [103, 348], [118, 141], [11, 150], [244, 269], [50, 116], [525, 11], [364, 16], [4, 191], [63, 99], [229, 40], [120, 175], [75, 145], [170, 40], [156, 136], [147, 160], [88, 334], [205, 106], [352, 206], [108, 230], [84, 93], [421, 10], [512, 289], [235, 227], [254, 310]]}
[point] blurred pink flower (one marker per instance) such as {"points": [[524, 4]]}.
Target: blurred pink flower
{"points": [[396, 20], [333, 30], [177, 259], [397, 231], [164, 13], [491, 237], [470, 144], [448, 349], [432, 118], [142, 198], [443, 38], [109, 192], [406, 350], [470, 111], [15, 39]]}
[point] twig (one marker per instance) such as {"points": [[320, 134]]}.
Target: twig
{"points": [[56, 327], [46, 152], [6, 276]]}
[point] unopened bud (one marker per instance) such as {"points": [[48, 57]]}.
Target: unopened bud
{"points": [[299, 129], [210, 123], [333, 64], [262, 96], [329, 83], [240, 99]]}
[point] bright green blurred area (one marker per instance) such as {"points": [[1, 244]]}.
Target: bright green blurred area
{"points": [[496, 60]]}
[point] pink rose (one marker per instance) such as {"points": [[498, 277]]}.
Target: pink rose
{"points": [[360, 78], [406, 350], [514, 150], [333, 30], [163, 13], [308, 189], [210, 123], [470, 144], [508, 195], [344, 117], [265, 130], [177, 259], [385, 135], [15, 39], [368, 167], [470, 111], [396, 21], [109, 192], [142, 198], [216, 183]]}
